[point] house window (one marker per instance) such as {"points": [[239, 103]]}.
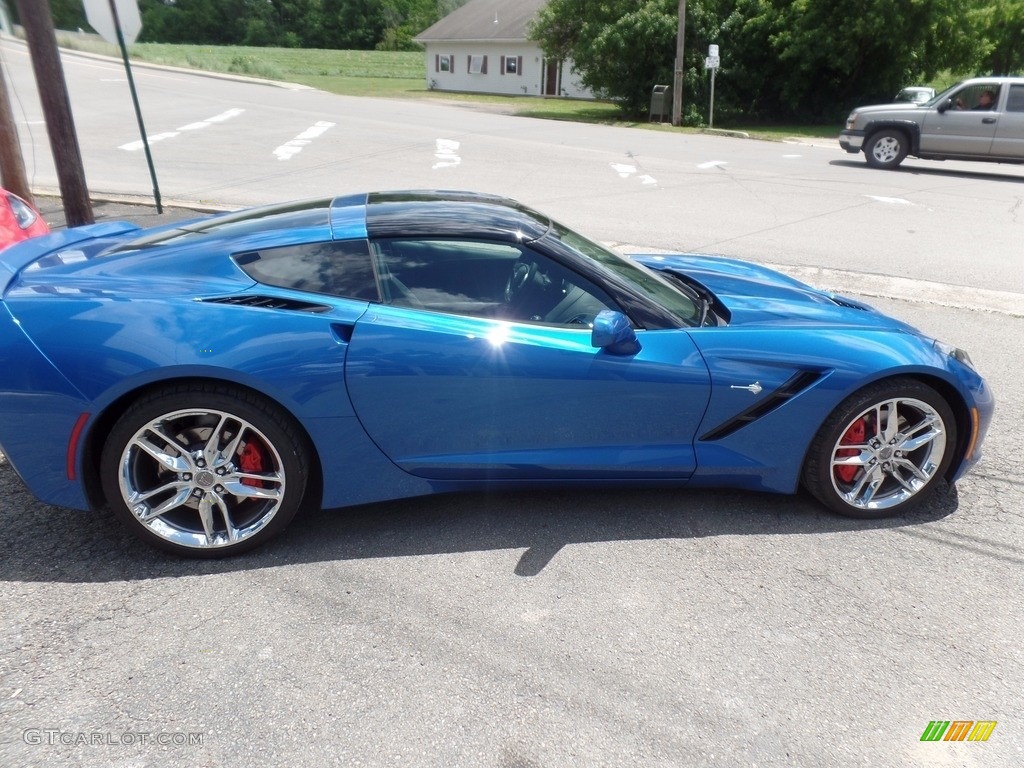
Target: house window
{"points": [[477, 64], [444, 63], [511, 65]]}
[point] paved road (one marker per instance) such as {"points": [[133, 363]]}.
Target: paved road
{"points": [[520, 630], [232, 143]]}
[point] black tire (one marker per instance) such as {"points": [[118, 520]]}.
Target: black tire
{"points": [[886, 148], [864, 464], [204, 470]]}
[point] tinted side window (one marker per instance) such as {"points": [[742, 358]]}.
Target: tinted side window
{"points": [[485, 279], [979, 96], [337, 268], [1015, 101]]}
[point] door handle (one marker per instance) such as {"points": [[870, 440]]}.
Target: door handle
{"points": [[988, 120], [343, 331]]}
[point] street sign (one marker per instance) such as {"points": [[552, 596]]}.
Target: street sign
{"points": [[102, 19], [712, 62]]}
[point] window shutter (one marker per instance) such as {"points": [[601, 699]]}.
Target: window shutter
{"points": [[452, 60], [483, 69], [437, 62], [503, 65], [519, 65], [469, 62]]}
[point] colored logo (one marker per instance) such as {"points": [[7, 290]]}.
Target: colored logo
{"points": [[958, 730]]}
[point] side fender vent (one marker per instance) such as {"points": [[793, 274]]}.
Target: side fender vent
{"points": [[269, 302], [794, 385], [849, 304]]}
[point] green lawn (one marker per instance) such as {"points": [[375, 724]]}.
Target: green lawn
{"points": [[391, 74]]}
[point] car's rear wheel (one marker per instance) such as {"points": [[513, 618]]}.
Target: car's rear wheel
{"points": [[886, 148], [882, 451], [204, 470]]}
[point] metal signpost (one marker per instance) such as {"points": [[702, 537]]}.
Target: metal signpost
{"points": [[712, 62], [118, 21]]}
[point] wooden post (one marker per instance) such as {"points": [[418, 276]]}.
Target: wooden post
{"points": [[677, 79], [12, 165], [60, 125]]}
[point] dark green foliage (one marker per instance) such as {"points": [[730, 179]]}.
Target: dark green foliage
{"points": [[341, 24], [781, 59]]}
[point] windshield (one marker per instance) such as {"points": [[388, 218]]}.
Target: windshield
{"points": [[638, 277]]}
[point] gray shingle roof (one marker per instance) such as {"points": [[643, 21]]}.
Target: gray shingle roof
{"points": [[476, 21]]}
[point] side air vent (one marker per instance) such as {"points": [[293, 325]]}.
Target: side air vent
{"points": [[792, 386], [848, 304], [269, 302]]}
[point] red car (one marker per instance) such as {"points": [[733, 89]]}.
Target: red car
{"points": [[18, 220]]}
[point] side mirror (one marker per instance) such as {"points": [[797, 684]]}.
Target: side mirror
{"points": [[943, 106], [613, 333]]}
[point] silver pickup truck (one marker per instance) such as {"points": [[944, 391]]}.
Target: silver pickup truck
{"points": [[978, 119]]}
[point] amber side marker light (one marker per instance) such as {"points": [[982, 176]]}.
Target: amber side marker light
{"points": [[974, 435]]}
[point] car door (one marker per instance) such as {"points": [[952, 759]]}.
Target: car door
{"points": [[964, 128], [462, 375], [1009, 138]]}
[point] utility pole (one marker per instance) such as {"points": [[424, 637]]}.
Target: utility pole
{"points": [[60, 125], [12, 165], [677, 80]]}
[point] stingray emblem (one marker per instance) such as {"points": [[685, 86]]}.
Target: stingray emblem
{"points": [[754, 388]]}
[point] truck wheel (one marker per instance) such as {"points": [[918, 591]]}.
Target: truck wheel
{"points": [[886, 148]]}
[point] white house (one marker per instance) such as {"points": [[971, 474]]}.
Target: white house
{"points": [[483, 47]]}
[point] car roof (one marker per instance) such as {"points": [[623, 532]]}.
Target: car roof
{"points": [[442, 213]]}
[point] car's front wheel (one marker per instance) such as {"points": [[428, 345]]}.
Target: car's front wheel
{"points": [[204, 470], [886, 148], [882, 451]]}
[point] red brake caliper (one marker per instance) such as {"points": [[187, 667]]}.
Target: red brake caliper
{"points": [[855, 435], [251, 461]]}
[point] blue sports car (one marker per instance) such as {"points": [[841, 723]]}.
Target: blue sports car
{"points": [[206, 379]]}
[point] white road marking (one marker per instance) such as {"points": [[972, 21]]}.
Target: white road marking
{"points": [[135, 146], [713, 164], [225, 116], [625, 171], [791, 157], [446, 154], [889, 200], [289, 149]]}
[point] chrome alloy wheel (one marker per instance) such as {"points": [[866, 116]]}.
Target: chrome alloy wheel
{"points": [[201, 478], [888, 453]]}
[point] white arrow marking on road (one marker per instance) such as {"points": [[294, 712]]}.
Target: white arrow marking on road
{"points": [[625, 171], [712, 164], [447, 154], [289, 149]]}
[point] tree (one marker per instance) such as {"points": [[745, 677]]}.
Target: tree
{"points": [[781, 59], [618, 47], [827, 60], [622, 48], [1002, 28]]}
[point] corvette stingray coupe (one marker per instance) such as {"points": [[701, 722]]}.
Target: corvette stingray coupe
{"points": [[205, 379]]}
